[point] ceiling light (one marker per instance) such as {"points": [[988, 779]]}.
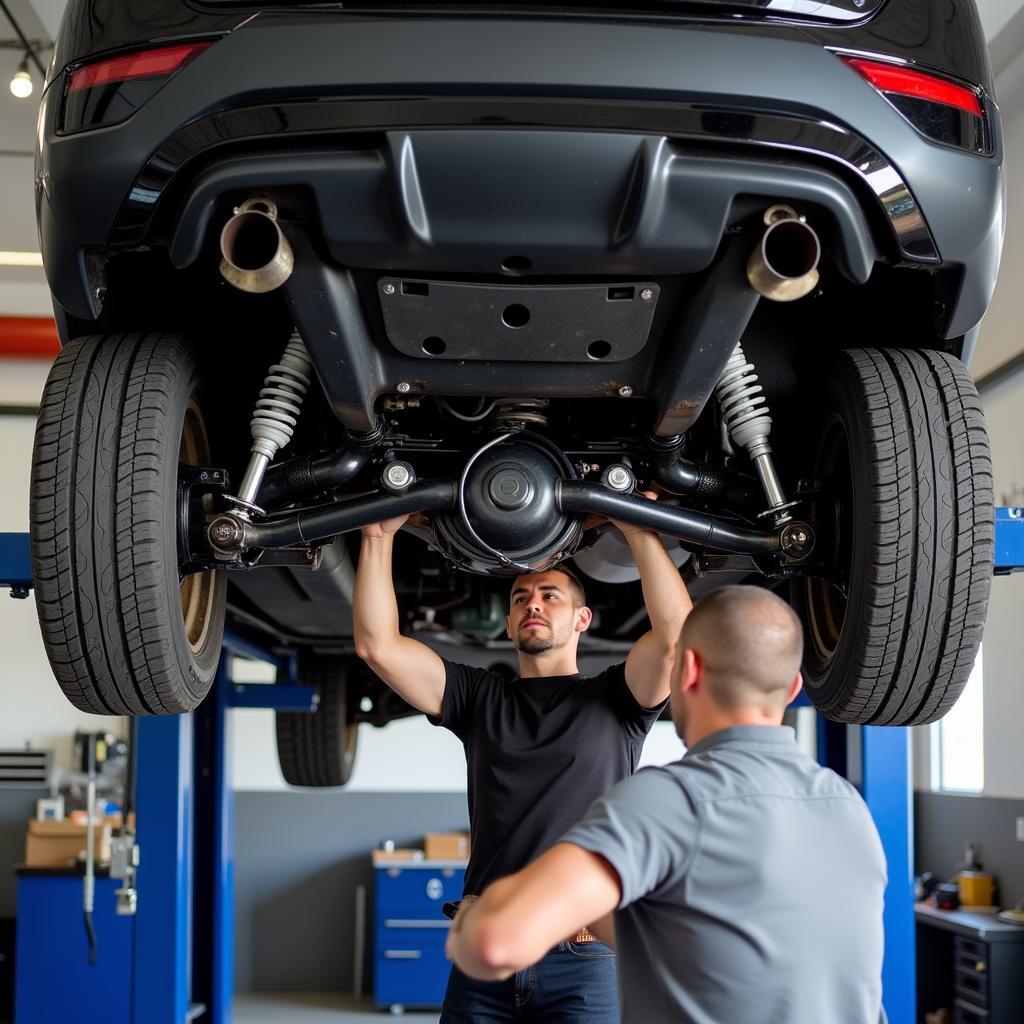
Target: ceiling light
{"points": [[21, 82], [21, 259]]}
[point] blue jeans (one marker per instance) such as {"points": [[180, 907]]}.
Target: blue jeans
{"points": [[573, 984]]}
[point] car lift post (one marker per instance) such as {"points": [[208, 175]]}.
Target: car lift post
{"points": [[183, 948], [188, 813]]}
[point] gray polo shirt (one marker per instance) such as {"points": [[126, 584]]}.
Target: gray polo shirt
{"points": [[752, 883]]}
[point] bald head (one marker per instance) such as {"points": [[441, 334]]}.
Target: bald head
{"points": [[750, 644]]}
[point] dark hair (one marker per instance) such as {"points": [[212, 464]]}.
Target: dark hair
{"points": [[576, 591], [579, 595]]}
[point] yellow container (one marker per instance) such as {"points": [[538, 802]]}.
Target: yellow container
{"points": [[975, 889]]}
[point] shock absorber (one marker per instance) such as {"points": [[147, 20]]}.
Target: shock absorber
{"points": [[520, 413], [746, 414], [274, 418]]}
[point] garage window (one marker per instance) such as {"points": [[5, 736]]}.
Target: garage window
{"points": [[958, 743]]}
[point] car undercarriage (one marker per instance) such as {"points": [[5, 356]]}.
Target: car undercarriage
{"points": [[515, 301]]}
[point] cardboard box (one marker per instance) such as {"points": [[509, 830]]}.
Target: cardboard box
{"points": [[53, 844], [446, 846], [399, 856]]}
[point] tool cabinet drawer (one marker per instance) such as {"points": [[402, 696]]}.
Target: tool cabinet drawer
{"points": [[416, 891], [971, 986], [971, 952], [410, 967], [965, 1013]]}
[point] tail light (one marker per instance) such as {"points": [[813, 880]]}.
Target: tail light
{"points": [[109, 91], [939, 108]]}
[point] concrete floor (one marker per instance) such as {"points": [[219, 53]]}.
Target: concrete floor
{"points": [[315, 1008]]}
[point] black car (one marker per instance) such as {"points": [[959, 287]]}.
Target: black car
{"points": [[504, 266]]}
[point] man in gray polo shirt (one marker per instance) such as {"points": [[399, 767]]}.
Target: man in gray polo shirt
{"points": [[746, 880]]}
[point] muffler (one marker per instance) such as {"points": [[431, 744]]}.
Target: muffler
{"points": [[256, 257], [784, 265]]}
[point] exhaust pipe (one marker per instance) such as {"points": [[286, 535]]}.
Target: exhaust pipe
{"points": [[256, 257], [784, 265]]}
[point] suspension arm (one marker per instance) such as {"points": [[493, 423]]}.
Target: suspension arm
{"points": [[233, 533], [696, 529]]}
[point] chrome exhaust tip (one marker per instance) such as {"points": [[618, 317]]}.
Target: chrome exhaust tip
{"points": [[784, 265], [255, 255]]}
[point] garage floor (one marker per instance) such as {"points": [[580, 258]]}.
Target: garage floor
{"points": [[314, 1008]]}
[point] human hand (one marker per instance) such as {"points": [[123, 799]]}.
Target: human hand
{"points": [[457, 923], [629, 530], [385, 528]]}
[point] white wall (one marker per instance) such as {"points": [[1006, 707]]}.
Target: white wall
{"points": [[1000, 337], [1004, 629]]}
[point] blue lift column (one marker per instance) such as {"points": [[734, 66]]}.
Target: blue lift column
{"points": [[162, 954], [876, 759], [184, 953]]}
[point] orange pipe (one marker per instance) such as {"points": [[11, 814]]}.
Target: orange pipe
{"points": [[28, 337]]}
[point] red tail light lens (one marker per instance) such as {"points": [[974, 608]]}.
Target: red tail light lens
{"points": [[110, 91], [939, 108], [907, 82], [164, 61]]}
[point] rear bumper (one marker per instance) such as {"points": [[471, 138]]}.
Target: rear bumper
{"points": [[659, 104]]}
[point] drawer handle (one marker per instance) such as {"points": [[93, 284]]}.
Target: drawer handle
{"points": [[402, 954], [979, 966], [392, 922]]}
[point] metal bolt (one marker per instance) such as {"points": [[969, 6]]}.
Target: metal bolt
{"points": [[389, 289], [647, 294], [222, 531], [403, 387], [797, 540], [398, 474], [225, 531], [625, 391], [619, 478]]}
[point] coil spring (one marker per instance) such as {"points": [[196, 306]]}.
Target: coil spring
{"points": [[744, 408], [277, 409], [520, 412]]}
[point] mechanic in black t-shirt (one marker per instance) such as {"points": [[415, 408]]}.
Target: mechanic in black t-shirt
{"points": [[539, 749]]}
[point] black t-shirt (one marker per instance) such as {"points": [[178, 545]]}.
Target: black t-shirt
{"points": [[539, 752]]}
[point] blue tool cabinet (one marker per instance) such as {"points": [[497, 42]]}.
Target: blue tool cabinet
{"points": [[54, 983], [410, 968]]}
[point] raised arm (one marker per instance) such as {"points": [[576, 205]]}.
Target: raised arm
{"points": [[649, 664], [410, 668], [519, 918]]}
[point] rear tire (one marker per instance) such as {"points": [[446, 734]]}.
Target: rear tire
{"points": [[903, 446], [124, 637], [319, 748]]}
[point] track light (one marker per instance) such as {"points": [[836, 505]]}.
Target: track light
{"points": [[21, 82]]}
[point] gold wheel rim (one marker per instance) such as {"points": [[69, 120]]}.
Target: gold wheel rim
{"points": [[825, 602], [196, 590]]}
